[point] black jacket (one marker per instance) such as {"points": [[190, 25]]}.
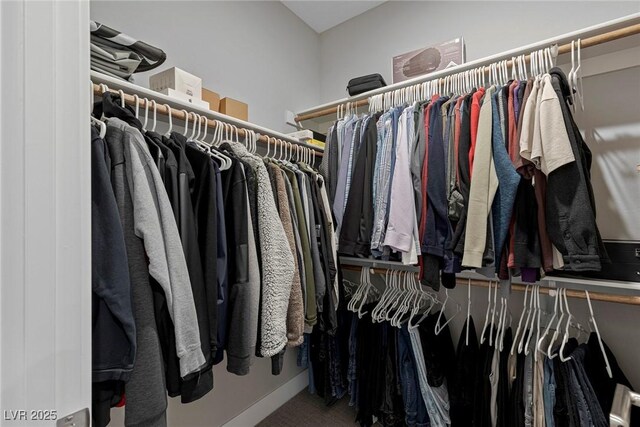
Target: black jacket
{"points": [[199, 384], [464, 145], [571, 211], [113, 328], [357, 223]]}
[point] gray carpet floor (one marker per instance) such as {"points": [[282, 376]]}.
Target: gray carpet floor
{"points": [[306, 410]]}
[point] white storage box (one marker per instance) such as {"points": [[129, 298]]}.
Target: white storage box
{"points": [[184, 97], [178, 80]]}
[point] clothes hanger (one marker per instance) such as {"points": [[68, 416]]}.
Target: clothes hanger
{"points": [[592, 319], [385, 295], [404, 303], [186, 123], [395, 302], [556, 332], [146, 114], [468, 312], [486, 316], [526, 322], [493, 314], [496, 343], [155, 111], [515, 336], [351, 306], [579, 90], [565, 338], [546, 331], [438, 327], [535, 323], [121, 94], [430, 298], [102, 125], [368, 287], [136, 101], [193, 130], [104, 89]]}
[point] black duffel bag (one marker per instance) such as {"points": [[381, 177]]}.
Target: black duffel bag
{"points": [[363, 84]]}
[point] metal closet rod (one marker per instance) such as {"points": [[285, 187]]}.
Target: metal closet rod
{"points": [[627, 31], [595, 296], [212, 123]]}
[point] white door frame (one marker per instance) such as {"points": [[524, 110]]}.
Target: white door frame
{"points": [[45, 209]]}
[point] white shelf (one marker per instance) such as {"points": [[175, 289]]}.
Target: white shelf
{"points": [[178, 104]]}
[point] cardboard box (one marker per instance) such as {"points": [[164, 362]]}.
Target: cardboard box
{"points": [[184, 97], [178, 80], [212, 98], [428, 59], [234, 108]]}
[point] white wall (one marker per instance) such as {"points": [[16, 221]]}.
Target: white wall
{"points": [[45, 211], [258, 52], [367, 43]]}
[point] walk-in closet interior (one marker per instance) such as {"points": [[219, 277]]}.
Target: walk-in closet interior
{"points": [[320, 213]]}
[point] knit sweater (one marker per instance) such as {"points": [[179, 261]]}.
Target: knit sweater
{"points": [[277, 260], [484, 184]]}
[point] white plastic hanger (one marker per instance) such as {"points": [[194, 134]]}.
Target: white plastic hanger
{"points": [[579, 90], [493, 314], [592, 319], [186, 122], [524, 306], [136, 101], [468, 312], [535, 323], [486, 316], [121, 93], [556, 332], [529, 311], [385, 294], [155, 114], [438, 328], [546, 331], [146, 113], [565, 338], [102, 125]]}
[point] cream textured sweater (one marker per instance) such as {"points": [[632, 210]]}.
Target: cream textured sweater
{"points": [[295, 311], [277, 260], [484, 184]]}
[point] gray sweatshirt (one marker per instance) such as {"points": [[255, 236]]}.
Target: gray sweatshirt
{"points": [[155, 224], [146, 397]]}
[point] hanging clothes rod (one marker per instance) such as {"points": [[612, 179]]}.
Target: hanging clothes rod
{"points": [[267, 136], [602, 35], [484, 283]]}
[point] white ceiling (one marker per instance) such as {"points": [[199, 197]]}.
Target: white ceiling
{"points": [[322, 15]]}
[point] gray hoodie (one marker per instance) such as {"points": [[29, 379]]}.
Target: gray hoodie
{"points": [[155, 224]]}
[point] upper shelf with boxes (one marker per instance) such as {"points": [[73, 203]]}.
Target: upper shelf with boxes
{"points": [[182, 85]]}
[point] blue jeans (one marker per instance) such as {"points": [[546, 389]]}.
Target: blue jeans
{"points": [[414, 407]]}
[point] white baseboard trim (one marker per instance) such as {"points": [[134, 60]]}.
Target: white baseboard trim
{"points": [[268, 404]]}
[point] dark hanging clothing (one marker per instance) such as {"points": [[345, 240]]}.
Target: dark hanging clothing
{"points": [[462, 390], [464, 146], [113, 327], [604, 387], [571, 209], [502, 398], [357, 224]]}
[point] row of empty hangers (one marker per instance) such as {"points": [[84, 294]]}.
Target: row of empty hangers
{"points": [[497, 73], [405, 300], [284, 150]]}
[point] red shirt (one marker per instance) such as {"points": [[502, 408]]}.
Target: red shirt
{"points": [[474, 116]]}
